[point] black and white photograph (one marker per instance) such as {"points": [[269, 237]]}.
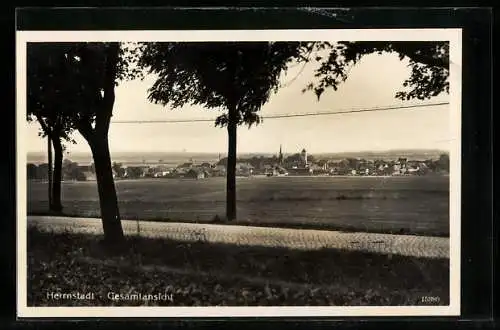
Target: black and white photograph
{"points": [[238, 173]]}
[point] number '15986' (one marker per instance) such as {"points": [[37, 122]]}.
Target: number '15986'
{"points": [[430, 299]]}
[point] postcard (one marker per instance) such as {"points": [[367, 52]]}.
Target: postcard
{"points": [[238, 173]]}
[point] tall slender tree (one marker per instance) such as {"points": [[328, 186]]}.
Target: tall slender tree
{"points": [[44, 102], [236, 77], [55, 132], [85, 76]]}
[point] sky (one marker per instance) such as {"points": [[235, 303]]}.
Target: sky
{"points": [[373, 82]]}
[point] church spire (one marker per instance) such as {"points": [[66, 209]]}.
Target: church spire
{"points": [[280, 157]]}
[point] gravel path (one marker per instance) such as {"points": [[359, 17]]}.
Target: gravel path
{"points": [[408, 245]]}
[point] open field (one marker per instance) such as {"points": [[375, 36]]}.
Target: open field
{"points": [[415, 205]]}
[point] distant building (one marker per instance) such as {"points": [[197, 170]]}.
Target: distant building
{"points": [[276, 171], [267, 168], [323, 164], [244, 169], [186, 165], [340, 171], [89, 176], [280, 157], [135, 172], [161, 174], [195, 173], [219, 170], [314, 168], [300, 171], [303, 157], [180, 171], [157, 171]]}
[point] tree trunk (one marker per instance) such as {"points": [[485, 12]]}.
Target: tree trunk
{"points": [[57, 175], [49, 170], [231, 171], [111, 222], [98, 140]]}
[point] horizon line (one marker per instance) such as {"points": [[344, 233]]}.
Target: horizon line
{"points": [[255, 152]]}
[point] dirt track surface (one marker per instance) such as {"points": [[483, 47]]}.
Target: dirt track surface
{"points": [[408, 245]]}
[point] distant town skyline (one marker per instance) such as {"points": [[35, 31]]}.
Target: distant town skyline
{"points": [[371, 83], [39, 157]]}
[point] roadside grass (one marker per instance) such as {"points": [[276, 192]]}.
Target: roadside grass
{"points": [[208, 274]]}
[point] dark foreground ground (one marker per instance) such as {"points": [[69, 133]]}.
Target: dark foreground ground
{"points": [[204, 274], [404, 205]]}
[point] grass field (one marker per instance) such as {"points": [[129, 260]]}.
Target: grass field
{"points": [[414, 205]]}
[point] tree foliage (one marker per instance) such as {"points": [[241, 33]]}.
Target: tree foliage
{"points": [[135, 172], [218, 75], [68, 80], [443, 163], [118, 169], [428, 61], [72, 171], [81, 79], [45, 90]]}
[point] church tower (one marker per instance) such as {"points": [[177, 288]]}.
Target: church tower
{"points": [[280, 157], [303, 155]]}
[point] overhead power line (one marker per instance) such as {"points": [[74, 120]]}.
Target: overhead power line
{"points": [[290, 115]]}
